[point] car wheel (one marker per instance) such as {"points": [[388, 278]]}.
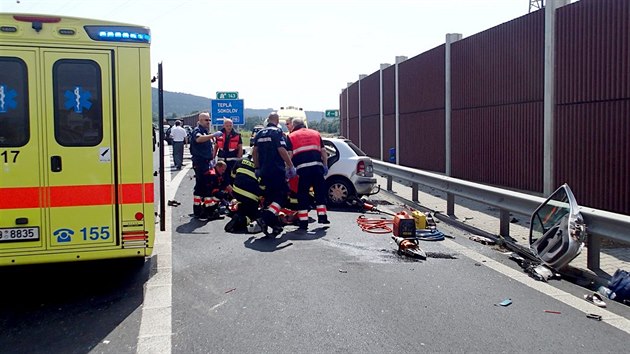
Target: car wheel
{"points": [[339, 191]]}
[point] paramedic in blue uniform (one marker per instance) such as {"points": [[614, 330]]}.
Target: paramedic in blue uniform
{"points": [[274, 166], [229, 148], [201, 151], [311, 161]]}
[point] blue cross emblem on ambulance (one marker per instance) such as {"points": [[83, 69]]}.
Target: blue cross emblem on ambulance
{"points": [[7, 98], [77, 99]]}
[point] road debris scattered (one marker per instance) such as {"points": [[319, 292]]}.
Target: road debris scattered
{"points": [[594, 316], [554, 312], [229, 291], [483, 240], [595, 299], [506, 302]]}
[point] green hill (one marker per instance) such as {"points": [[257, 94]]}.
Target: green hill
{"points": [[177, 104]]}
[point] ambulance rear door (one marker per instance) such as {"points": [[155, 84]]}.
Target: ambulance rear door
{"points": [[79, 149], [21, 177]]}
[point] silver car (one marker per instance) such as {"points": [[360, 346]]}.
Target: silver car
{"points": [[350, 171]]}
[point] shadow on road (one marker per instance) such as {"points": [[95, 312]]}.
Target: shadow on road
{"points": [[271, 244], [69, 307], [192, 225]]}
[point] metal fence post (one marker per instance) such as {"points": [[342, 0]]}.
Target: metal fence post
{"points": [[414, 192], [450, 204], [593, 251], [504, 222], [389, 183]]}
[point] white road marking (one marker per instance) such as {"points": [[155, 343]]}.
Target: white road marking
{"points": [[612, 319], [156, 325]]}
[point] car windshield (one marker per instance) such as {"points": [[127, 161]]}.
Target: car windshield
{"points": [[355, 148]]}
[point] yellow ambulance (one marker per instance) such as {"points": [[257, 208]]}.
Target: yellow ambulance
{"points": [[76, 179]]}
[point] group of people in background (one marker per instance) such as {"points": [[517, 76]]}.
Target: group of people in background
{"points": [[281, 167]]}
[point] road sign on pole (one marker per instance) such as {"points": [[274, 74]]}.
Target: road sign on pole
{"points": [[221, 95], [332, 113], [232, 109]]}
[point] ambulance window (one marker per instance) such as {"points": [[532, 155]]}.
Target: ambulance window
{"points": [[77, 95], [14, 114]]}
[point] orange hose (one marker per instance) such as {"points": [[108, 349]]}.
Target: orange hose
{"points": [[374, 225]]}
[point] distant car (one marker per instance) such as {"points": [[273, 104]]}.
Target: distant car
{"points": [[254, 131], [167, 134], [350, 171], [188, 128]]}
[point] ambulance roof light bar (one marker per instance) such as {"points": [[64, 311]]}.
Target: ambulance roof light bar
{"points": [[119, 33]]}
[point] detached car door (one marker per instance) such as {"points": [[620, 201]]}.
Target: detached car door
{"points": [[557, 230]]}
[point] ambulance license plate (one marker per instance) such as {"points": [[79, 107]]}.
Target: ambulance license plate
{"points": [[19, 234]]}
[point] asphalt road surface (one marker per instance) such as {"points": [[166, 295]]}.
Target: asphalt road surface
{"points": [[331, 289], [338, 289]]}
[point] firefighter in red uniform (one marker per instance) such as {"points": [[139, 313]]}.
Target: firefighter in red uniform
{"points": [[311, 161], [229, 148]]}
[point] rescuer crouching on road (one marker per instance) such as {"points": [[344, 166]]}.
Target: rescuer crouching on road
{"points": [[311, 162], [247, 191], [219, 190], [274, 166]]}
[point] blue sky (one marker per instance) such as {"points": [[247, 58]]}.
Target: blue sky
{"points": [[279, 53]]}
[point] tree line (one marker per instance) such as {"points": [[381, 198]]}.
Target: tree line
{"points": [[330, 126]]}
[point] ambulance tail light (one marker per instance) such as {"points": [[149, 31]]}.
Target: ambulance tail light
{"points": [[361, 168], [134, 239]]}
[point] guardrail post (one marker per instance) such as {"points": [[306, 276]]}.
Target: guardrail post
{"points": [[450, 204], [414, 192], [389, 183], [593, 251], [504, 222]]}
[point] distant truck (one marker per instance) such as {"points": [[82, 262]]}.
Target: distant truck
{"points": [[291, 112]]}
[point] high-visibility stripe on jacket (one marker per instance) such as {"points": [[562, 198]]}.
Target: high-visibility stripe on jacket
{"points": [[307, 147], [245, 181]]}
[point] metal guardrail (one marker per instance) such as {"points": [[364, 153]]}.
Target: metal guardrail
{"points": [[599, 223]]}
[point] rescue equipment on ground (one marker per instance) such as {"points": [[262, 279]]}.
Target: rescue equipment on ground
{"points": [[420, 219], [374, 225], [423, 224], [409, 248], [404, 225]]}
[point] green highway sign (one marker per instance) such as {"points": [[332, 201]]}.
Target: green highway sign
{"points": [[332, 113], [227, 95]]}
